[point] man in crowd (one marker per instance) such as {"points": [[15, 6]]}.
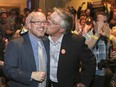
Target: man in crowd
{"points": [[24, 65], [100, 46], [66, 52]]}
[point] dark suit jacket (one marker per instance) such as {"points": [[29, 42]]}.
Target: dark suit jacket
{"points": [[19, 62], [69, 62]]}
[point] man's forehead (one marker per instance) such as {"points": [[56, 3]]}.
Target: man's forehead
{"points": [[101, 17], [54, 13], [38, 15], [56, 16]]}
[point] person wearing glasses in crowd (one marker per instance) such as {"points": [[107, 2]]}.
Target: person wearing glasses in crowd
{"points": [[66, 52], [21, 63]]}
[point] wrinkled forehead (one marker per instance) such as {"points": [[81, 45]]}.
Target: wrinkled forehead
{"points": [[55, 16], [38, 16]]}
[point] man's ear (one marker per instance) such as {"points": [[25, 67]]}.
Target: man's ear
{"points": [[62, 30], [29, 25]]}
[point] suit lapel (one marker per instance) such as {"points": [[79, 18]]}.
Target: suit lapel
{"points": [[64, 43], [64, 47], [47, 46], [29, 51]]}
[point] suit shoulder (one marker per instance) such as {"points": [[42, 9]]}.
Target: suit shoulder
{"points": [[78, 37], [21, 38], [17, 41]]}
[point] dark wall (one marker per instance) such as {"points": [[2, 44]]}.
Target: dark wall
{"points": [[55, 3], [49, 4], [34, 4]]}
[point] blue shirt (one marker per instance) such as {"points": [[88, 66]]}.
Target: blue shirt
{"points": [[100, 51], [34, 42], [54, 57]]}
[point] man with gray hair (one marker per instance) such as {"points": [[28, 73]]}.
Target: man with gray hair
{"points": [[67, 50]]}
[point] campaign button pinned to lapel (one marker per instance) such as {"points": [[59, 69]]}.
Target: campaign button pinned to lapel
{"points": [[63, 51]]}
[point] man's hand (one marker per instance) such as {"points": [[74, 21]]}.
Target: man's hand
{"points": [[82, 3], [1, 63], [38, 76], [106, 30], [114, 31], [113, 55], [80, 85]]}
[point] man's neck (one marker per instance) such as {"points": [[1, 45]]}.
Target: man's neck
{"points": [[56, 37]]}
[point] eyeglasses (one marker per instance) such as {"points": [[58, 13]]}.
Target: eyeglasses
{"points": [[39, 22], [53, 22]]}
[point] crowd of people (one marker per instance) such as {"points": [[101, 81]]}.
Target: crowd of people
{"points": [[66, 48]]}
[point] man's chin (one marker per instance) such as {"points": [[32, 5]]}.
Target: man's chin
{"points": [[40, 35]]}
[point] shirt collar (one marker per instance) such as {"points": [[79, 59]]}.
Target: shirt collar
{"points": [[58, 41], [33, 38]]}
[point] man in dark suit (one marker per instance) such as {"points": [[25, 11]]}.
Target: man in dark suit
{"points": [[22, 60], [67, 50]]}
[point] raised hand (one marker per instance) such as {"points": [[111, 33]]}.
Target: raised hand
{"points": [[106, 30], [82, 3]]}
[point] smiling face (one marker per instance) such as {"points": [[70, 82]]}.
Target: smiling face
{"points": [[36, 25]]}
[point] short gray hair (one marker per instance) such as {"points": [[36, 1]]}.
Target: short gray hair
{"points": [[67, 18]]}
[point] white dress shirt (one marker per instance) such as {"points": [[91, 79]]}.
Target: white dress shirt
{"points": [[54, 57]]}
